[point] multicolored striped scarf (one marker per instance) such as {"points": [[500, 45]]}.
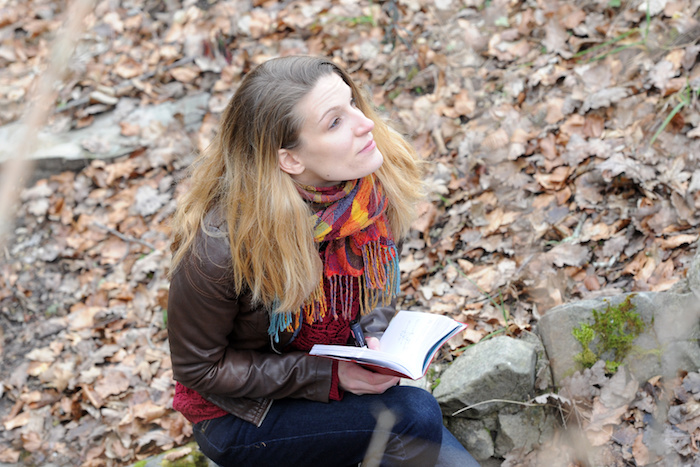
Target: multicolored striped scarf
{"points": [[360, 249]]}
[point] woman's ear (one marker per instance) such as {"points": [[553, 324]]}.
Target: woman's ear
{"points": [[289, 162]]}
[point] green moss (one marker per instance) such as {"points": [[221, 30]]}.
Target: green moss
{"points": [[585, 335], [193, 459], [611, 366], [140, 464], [613, 330]]}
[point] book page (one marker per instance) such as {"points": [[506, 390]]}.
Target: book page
{"points": [[407, 346], [411, 335]]}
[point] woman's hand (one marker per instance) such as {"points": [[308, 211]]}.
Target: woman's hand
{"points": [[372, 343], [358, 380]]}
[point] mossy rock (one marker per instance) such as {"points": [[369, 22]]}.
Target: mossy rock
{"points": [[611, 335], [668, 342]]}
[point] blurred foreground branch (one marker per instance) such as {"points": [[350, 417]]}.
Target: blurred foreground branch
{"points": [[16, 169], [380, 438]]}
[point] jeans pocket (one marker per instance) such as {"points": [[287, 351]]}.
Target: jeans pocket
{"points": [[202, 426], [203, 432]]}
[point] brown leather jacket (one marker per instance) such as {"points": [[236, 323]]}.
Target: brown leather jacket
{"points": [[219, 342]]}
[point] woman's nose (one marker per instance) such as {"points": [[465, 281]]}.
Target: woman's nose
{"points": [[364, 125]]}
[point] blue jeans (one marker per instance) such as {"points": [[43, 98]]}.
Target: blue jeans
{"points": [[299, 432]]}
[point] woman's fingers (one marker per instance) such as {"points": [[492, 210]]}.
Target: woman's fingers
{"points": [[358, 380], [372, 343]]}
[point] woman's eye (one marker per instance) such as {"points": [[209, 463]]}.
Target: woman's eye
{"points": [[335, 122]]}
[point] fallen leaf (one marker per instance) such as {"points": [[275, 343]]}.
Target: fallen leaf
{"points": [[674, 241], [497, 219], [619, 390], [9, 455], [555, 180], [556, 39], [640, 451], [177, 454], [652, 7], [148, 200], [81, 316], [17, 421], [600, 427], [92, 397], [114, 382], [184, 74], [604, 98], [126, 67], [568, 254], [426, 216], [43, 354], [148, 411], [31, 441], [496, 140]]}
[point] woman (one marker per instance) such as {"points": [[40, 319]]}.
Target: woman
{"points": [[285, 236]]}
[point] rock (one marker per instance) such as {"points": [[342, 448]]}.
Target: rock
{"points": [[523, 429], [474, 435], [693, 275], [427, 382], [669, 342], [498, 368], [55, 151], [543, 373]]}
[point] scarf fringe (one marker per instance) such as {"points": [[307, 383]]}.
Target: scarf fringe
{"points": [[378, 284]]}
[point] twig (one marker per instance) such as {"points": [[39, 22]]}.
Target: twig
{"points": [[526, 404], [685, 101], [577, 231], [126, 238], [16, 169], [535, 402], [390, 31]]}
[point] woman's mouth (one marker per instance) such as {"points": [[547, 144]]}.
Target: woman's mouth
{"points": [[369, 146]]}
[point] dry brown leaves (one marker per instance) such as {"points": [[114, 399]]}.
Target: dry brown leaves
{"points": [[614, 421], [536, 119], [96, 384], [548, 187]]}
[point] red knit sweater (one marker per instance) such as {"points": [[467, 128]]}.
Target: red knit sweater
{"points": [[330, 330]]}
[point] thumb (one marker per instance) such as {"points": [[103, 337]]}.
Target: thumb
{"points": [[373, 343]]}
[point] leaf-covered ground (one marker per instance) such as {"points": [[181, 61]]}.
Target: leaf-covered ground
{"points": [[561, 139]]}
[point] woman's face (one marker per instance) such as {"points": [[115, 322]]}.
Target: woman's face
{"points": [[335, 142]]}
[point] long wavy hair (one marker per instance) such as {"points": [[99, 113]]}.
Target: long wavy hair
{"points": [[269, 225]]}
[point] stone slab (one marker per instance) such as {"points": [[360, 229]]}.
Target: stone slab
{"points": [[669, 343], [55, 151]]}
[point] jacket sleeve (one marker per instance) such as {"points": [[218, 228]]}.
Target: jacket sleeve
{"points": [[375, 322], [206, 355]]}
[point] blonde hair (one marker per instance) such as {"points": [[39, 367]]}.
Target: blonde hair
{"points": [[269, 226]]}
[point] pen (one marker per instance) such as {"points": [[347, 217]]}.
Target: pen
{"points": [[356, 331]]}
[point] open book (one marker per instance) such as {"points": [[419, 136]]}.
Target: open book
{"points": [[407, 347]]}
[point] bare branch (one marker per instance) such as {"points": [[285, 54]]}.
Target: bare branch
{"points": [[16, 170]]}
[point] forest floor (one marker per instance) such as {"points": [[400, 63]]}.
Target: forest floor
{"points": [[562, 142]]}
